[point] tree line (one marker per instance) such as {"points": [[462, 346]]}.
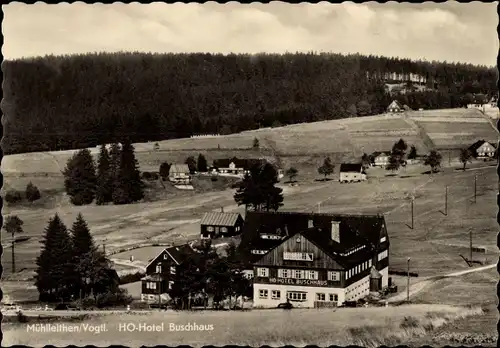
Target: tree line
{"points": [[80, 101], [115, 179]]}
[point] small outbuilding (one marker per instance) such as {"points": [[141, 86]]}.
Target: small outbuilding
{"points": [[220, 224]]}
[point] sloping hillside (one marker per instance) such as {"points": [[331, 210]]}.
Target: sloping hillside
{"points": [[441, 129]]}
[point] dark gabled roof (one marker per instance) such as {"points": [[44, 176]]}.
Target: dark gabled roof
{"points": [[476, 145], [180, 253], [351, 167], [480, 98], [354, 230], [219, 219]]}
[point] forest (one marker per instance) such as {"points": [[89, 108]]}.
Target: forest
{"points": [[76, 101]]}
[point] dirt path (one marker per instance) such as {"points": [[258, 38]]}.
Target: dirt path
{"points": [[421, 285]]}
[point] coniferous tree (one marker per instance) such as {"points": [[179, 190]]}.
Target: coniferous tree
{"points": [[80, 178], [114, 165], [128, 186], [32, 192], [104, 190], [55, 274], [164, 170], [202, 164], [413, 152], [191, 162]]}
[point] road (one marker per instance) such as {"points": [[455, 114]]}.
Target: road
{"points": [[421, 285]]}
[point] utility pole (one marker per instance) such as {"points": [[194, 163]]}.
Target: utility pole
{"points": [[449, 158], [475, 187], [104, 247], [319, 208], [408, 282], [412, 221], [470, 244], [446, 201], [13, 255]]}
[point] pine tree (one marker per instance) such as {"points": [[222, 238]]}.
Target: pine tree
{"points": [[202, 164], [104, 190], [129, 186], [55, 274], [32, 193], [80, 178], [191, 162], [164, 170], [413, 152], [89, 263], [114, 166]]}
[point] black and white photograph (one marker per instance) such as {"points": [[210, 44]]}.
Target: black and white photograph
{"points": [[250, 174]]}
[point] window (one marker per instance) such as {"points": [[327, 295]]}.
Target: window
{"points": [[263, 293], [334, 276], [296, 296], [383, 239], [170, 285], [297, 274], [158, 268], [275, 294], [223, 229], [284, 273], [237, 228], [210, 229], [297, 256], [334, 297], [369, 263], [262, 272], [382, 255], [165, 256], [151, 285], [313, 275], [172, 269], [320, 297], [258, 252]]}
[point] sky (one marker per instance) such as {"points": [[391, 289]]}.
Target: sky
{"points": [[453, 32]]}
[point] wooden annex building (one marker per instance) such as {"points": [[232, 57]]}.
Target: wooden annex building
{"points": [[220, 224], [314, 260], [161, 273]]}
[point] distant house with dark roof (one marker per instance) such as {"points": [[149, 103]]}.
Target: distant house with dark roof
{"points": [[352, 172], [161, 273], [395, 107], [179, 173], [235, 166], [380, 159], [313, 260], [220, 224], [482, 149]]}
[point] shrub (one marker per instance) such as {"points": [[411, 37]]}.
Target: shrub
{"points": [[13, 196], [32, 192], [21, 318], [86, 303], [112, 299], [213, 178], [146, 175]]}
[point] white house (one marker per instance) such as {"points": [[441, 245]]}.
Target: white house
{"points": [[482, 149], [395, 107], [352, 172], [380, 159], [179, 173]]}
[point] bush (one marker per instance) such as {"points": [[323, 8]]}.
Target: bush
{"points": [[146, 175], [86, 303], [13, 196], [32, 192], [113, 299], [131, 278], [154, 176], [214, 178], [21, 318]]}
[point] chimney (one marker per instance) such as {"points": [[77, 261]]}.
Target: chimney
{"points": [[310, 223], [336, 231], [221, 209]]}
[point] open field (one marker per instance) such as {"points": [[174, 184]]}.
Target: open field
{"points": [[367, 327], [350, 137]]}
